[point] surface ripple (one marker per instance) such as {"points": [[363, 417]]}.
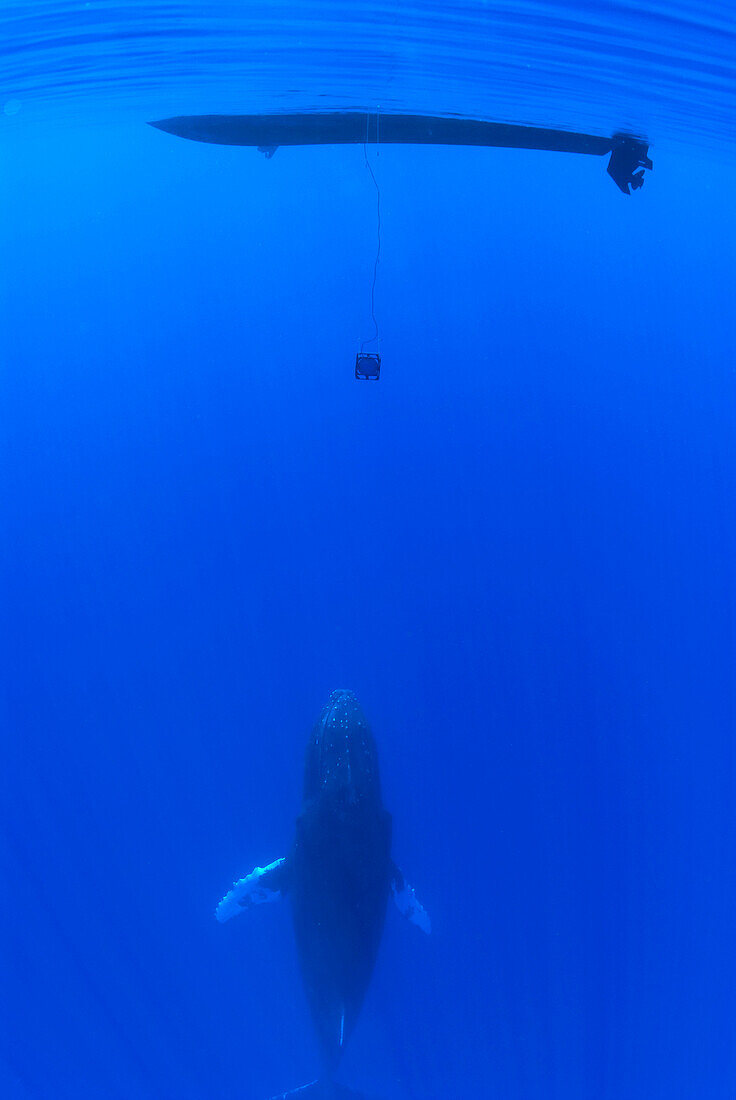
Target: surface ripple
{"points": [[663, 70]]}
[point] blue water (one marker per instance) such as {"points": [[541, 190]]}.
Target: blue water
{"points": [[517, 548]]}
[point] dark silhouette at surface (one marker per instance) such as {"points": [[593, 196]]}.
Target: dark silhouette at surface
{"points": [[267, 132], [628, 155]]}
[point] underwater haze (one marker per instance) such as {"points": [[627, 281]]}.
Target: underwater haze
{"points": [[517, 548]]}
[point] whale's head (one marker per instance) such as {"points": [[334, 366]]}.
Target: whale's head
{"points": [[342, 761]]}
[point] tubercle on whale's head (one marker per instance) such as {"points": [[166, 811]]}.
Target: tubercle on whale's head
{"points": [[342, 760]]}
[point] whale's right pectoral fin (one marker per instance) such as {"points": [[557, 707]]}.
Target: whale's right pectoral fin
{"points": [[407, 903], [322, 1090], [262, 884]]}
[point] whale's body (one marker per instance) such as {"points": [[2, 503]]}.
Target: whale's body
{"points": [[338, 874], [341, 871]]}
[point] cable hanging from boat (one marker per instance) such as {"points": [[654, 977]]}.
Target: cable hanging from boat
{"points": [[376, 334]]}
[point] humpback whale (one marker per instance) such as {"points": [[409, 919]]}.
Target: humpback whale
{"points": [[339, 874]]}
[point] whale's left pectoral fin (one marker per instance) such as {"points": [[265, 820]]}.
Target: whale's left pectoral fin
{"points": [[407, 903], [262, 884]]}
